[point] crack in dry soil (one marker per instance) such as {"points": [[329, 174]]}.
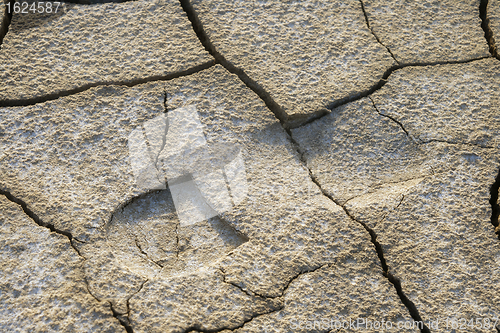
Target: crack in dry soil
{"points": [[278, 111], [197, 328], [125, 320], [380, 84], [35, 218], [485, 24], [391, 118], [421, 142], [495, 207], [38, 221], [295, 121], [286, 122], [128, 83], [373, 32], [412, 309]]}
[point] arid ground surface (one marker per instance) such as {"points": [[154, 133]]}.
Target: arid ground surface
{"points": [[250, 166]]}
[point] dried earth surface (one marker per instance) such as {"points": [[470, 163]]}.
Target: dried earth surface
{"points": [[207, 166]]}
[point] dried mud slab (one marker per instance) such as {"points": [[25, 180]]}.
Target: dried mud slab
{"points": [[433, 223], [305, 54], [313, 303], [68, 159], [43, 286], [452, 103], [291, 227], [87, 44], [355, 150], [428, 31]]}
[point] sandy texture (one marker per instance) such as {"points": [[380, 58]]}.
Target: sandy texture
{"points": [[147, 186], [85, 44], [428, 31], [43, 286], [306, 54], [440, 151]]}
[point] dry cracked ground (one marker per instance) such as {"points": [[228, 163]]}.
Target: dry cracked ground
{"points": [[365, 191]]}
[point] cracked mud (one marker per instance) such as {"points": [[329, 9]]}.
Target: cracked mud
{"points": [[207, 166]]}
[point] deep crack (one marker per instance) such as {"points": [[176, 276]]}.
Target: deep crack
{"points": [[38, 221], [485, 24], [128, 83], [123, 320], [165, 102], [373, 33], [495, 207], [4, 28], [366, 93], [66, 234], [412, 309], [278, 111], [285, 121]]}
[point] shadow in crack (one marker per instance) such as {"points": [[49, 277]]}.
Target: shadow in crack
{"points": [[495, 206], [147, 237], [5, 19]]}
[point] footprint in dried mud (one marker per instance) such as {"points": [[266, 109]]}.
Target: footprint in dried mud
{"points": [[175, 227], [146, 237]]}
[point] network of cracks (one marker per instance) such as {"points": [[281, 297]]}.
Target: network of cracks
{"points": [[291, 125]]}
